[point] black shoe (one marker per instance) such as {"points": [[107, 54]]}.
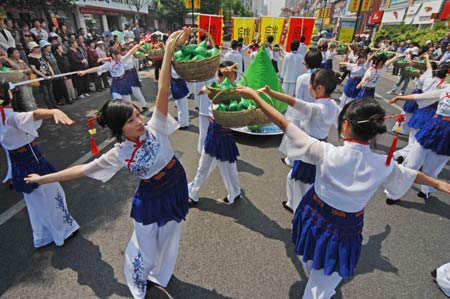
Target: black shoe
{"points": [[144, 109], [192, 202], [422, 195], [400, 160], [183, 128], [234, 200], [283, 160], [434, 273], [284, 203], [391, 201]]}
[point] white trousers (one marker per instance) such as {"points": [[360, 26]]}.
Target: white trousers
{"points": [[344, 100], [137, 93], [8, 162], [228, 172], [319, 285], [289, 88], [49, 217], [151, 255], [183, 111], [411, 140], [203, 124], [443, 278], [295, 190], [118, 96]]}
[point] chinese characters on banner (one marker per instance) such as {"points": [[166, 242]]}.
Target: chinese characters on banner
{"points": [[188, 4], [324, 13], [354, 5], [213, 25], [297, 28], [346, 32], [271, 26], [245, 28]]}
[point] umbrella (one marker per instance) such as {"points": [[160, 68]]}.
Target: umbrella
{"points": [[158, 33], [107, 33], [119, 34]]}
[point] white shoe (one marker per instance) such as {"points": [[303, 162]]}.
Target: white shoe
{"points": [[400, 94], [391, 92], [82, 96]]}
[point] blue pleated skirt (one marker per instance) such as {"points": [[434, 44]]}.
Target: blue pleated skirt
{"points": [[365, 92], [330, 238], [435, 135], [328, 64], [350, 87], [179, 88], [24, 162], [133, 78], [422, 116], [162, 198], [219, 143], [121, 86], [304, 172]]}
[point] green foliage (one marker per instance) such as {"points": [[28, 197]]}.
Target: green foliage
{"points": [[213, 7], [404, 32], [171, 10]]}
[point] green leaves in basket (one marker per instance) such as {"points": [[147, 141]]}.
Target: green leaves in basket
{"points": [[411, 69], [178, 55], [188, 50], [195, 52], [4, 69], [226, 83], [222, 107], [200, 51], [212, 52], [233, 105], [198, 57], [203, 44]]}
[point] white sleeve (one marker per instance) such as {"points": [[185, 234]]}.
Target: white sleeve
{"points": [[301, 146], [164, 124], [284, 68], [103, 68], [25, 122], [399, 181], [304, 110], [350, 66], [428, 98], [104, 167]]}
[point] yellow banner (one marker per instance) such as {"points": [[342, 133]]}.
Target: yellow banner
{"points": [[188, 3], [345, 35], [271, 26], [197, 4], [354, 5], [323, 13], [245, 28]]}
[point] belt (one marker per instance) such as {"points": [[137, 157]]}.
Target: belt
{"points": [[24, 148], [162, 173], [118, 78], [356, 78], [370, 88], [335, 212], [445, 118], [129, 70]]}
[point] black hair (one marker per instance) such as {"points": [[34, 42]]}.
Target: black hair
{"points": [[4, 92], [241, 39], [10, 51], [234, 44], [114, 114], [270, 39], [366, 118], [442, 71], [294, 45], [313, 59], [114, 51], [325, 77], [302, 39], [379, 58]]}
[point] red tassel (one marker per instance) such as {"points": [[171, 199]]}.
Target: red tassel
{"points": [[94, 148], [392, 150]]}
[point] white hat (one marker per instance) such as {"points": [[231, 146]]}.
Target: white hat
{"points": [[100, 42], [415, 51]]}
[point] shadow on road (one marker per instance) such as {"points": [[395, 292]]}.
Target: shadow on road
{"points": [[244, 166], [178, 289], [84, 257], [258, 141]]}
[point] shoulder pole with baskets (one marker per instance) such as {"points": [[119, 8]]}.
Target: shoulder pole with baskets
{"points": [[197, 70]]}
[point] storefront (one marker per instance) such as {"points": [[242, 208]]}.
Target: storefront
{"points": [[421, 13]]}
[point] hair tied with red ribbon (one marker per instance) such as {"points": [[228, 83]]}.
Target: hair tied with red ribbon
{"points": [[400, 119], [92, 131]]}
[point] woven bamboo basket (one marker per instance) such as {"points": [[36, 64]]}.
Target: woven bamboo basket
{"points": [[140, 55], [408, 72], [12, 76], [198, 70], [402, 63], [221, 95], [230, 119], [419, 65], [259, 117], [155, 53]]}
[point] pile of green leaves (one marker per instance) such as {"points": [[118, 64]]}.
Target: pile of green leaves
{"points": [[234, 105], [195, 52]]}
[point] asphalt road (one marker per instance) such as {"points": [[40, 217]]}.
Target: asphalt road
{"points": [[238, 251]]}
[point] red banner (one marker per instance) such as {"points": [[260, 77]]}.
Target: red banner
{"points": [[297, 28], [445, 14], [213, 25], [376, 17]]}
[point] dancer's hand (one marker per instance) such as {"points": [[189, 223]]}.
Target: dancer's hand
{"points": [[61, 117], [359, 86], [265, 89], [32, 179], [443, 186], [183, 36], [247, 92], [394, 100]]}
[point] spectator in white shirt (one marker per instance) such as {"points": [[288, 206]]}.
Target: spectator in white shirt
{"points": [[128, 34], [6, 39], [302, 48], [234, 55], [38, 31], [293, 66]]}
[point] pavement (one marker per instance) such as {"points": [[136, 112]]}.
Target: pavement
{"points": [[238, 251]]}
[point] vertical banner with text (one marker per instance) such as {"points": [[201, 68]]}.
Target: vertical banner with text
{"points": [[213, 25], [365, 6], [297, 28], [346, 32], [271, 26], [245, 28]]}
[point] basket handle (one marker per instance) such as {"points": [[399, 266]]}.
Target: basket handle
{"points": [[268, 96], [195, 30]]}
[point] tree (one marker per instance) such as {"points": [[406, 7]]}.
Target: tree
{"points": [[172, 11], [138, 4]]}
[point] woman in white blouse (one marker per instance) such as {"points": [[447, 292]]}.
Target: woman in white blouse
{"points": [[160, 202], [327, 227]]}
